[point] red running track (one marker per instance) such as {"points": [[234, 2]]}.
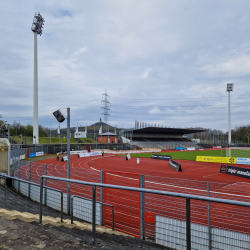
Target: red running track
{"points": [[158, 175]]}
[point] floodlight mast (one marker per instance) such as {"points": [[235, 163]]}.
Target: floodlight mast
{"points": [[37, 28], [229, 89]]}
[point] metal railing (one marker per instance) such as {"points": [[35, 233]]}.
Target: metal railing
{"points": [[188, 197], [77, 196], [35, 184]]}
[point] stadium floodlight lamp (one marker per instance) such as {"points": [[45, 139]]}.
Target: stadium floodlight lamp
{"points": [[230, 87], [59, 116], [37, 25]]}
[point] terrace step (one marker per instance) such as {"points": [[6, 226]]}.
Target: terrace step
{"points": [[28, 217], [19, 229]]}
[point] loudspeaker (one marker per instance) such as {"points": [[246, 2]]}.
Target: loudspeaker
{"points": [[59, 116]]}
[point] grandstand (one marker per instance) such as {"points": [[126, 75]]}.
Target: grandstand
{"points": [[164, 138]]}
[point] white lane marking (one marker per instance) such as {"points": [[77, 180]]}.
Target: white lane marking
{"points": [[173, 186], [161, 184]]}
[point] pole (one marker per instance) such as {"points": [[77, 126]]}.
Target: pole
{"points": [[101, 197], [208, 215], [8, 132], [229, 120], [29, 179], [21, 143], [50, 133], [188, 226], [93, 213], [142, 207], [45, 184], [68, 162], [35, 96]]}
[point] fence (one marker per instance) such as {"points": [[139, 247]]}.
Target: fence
{"points": [[161, 218], [187, 198]]}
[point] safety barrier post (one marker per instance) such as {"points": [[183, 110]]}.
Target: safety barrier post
{"points": [[101, 198], [61, 206], [18, 175], [72, 209], [142, 207], [45, 184], [113, 219], [208, 218], [188, 224], [29, 178], [41, 202], [93, 214], [5, 180]]}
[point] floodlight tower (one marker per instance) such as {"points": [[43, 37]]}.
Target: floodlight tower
{"points": [[229, 89], [37, 28]]}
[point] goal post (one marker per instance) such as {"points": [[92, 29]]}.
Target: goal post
{"points": [[237, 152]]}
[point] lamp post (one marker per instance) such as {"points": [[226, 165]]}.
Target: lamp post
{"points": [[229, 89], [37, 27], [60, 118]]}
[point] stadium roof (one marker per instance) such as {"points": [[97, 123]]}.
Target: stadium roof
{"points": [[173, 131]]}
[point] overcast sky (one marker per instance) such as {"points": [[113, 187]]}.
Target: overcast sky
{"points": [[163, 62]]}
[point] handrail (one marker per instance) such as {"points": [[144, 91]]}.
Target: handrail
{"points": [[188, 197], [77, 196], [152, 191], [35, 184]]}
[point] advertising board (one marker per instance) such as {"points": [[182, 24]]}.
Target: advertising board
{"points": [[32, 155], [161, 157], [96, 153], [83, 155], [128, 157], [180, 148], [216, 159], [39, 153], [175, 165], [236, 171], [78, 152], [64, 158], [243, 161]]}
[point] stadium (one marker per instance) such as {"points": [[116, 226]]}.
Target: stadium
{"points": [[164, 138], [167, 169], [161, 218]]}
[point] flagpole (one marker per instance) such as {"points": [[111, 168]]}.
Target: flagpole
{"points": [[86, 132]]}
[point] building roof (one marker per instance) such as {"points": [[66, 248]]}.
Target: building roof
{"points": [[108, 134]]}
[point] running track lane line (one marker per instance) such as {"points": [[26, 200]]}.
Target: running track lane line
{"points": [[168, 185]]}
